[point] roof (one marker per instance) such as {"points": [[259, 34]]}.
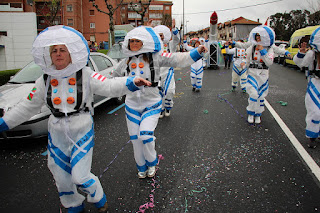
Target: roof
{"points": [[240, 20]]}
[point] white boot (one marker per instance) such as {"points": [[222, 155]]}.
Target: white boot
{"points": [[250, 118], [257, 119], [161, 114], [151, 171], [142, 174], [167, 113]]}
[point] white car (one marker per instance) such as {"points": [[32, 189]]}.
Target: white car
{"points": [[21, 84]]}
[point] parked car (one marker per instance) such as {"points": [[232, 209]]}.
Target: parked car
{"points": [[21, 84], [296, 38], [282, 45]]}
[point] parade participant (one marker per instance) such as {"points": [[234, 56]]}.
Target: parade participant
{"points": [[260, 50], [196, 74], [205, 42], [309, 60], [142, 46], [167, 73], [228, 56], [239, 69], [67, 88]]}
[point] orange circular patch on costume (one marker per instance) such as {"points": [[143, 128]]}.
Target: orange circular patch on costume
{"points": [[255, 58], [54, 82], [70, 100], [165, 45], [141, 65], [57, 100], [261, 60], [134, 65], [72, 81], [257, 48], [242, 50]]}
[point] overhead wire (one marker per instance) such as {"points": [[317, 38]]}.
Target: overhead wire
{"points": [[235, 8]]}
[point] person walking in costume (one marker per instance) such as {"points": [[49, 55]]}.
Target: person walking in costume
{"points": [[67, 87], [167, 73], [260, 51], [239, 69], [196, 74], [309, 60], [143, 47]]}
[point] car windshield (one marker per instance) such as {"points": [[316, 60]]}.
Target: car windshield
{"points": [[28, 74], [115, 52]]}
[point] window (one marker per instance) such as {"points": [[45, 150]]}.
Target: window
{"points": [[69, 8], [167, 8], [155, 7], [92, 38], [16, 5], [155, 15], [70, 22], [91, 12], [101, 62], [92, 25]]}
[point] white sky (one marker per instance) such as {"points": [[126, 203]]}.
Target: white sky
{"points": [[204, 9]]}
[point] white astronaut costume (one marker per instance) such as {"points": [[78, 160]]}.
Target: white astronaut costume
{"points": [[70, 127], [196, 73], [143, 107], [167, 73], [312, 100], [258, 63], [239, 73]]}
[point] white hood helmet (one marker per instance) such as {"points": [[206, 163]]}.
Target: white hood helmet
{"points": [[315, 39], [165, 31], [267, 36], [60, 35], [151, 41]]}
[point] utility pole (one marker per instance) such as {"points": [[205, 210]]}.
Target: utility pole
{"points": [[183, 18]]}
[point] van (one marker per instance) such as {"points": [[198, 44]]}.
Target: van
{"points": [[296, 38]]}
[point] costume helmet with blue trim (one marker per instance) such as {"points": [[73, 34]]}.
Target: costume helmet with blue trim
{"points": [[315, 39], [60, 35], [151, 41], [165, 31], [267, 36]]}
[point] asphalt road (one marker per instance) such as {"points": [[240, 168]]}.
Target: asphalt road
{"points": [[213, 160]]}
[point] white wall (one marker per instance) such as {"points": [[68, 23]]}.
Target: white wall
{"points": [[21, 31]]}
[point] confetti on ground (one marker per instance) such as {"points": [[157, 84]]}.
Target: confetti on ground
{"points": [[282, 103], [179, 79], [205, 111]]}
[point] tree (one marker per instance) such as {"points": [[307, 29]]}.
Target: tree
{"points": [[49, 10], [284, 24], [166, 20], [142, 10], [110, 13]]}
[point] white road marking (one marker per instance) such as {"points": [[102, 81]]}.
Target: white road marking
{"points": [[303, 153]]}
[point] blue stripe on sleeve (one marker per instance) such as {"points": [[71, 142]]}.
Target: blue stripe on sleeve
{"points": [[130, 84], [195, 55]]}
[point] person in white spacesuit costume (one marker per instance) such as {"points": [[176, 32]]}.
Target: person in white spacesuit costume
{"points": [[309, 60], [196, 74], [260, 54], [167, 84], [239, 69], [67, 87], [143, 47]]}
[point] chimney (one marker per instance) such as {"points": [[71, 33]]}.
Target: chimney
{"points": [[258, 20]]}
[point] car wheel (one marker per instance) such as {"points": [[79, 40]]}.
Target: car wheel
{"points": [[284, 63]]}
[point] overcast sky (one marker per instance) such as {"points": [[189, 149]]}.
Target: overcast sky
{"points": [[197, 12]]}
